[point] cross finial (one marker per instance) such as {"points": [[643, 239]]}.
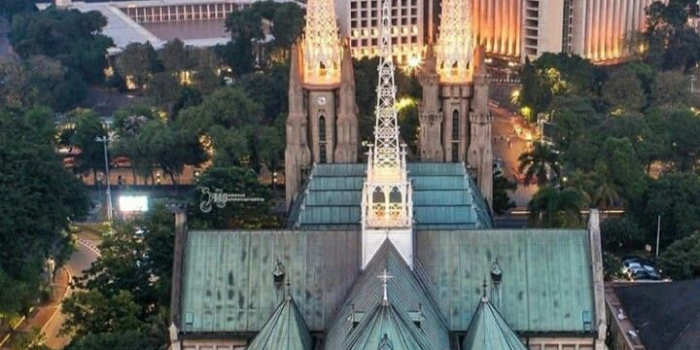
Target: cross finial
{"points": [[484, 298], [385, 277]]}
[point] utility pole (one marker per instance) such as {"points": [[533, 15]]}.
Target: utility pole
{"points": [[658, 234], [104, 140]]}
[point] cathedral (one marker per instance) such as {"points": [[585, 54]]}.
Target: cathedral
{"points": [[388, 254]]}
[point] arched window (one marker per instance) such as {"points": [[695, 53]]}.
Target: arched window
{"points": [[378, 195], [455, 136], [322, 128], [395, 195], [455, 125], [322, 149]]}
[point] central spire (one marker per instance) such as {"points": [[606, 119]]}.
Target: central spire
{"points": [[387, 206], [454, 49], [387, 156], [322, 50]]}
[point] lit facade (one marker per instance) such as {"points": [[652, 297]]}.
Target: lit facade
{"points": [[360, 20], [601, 27]]}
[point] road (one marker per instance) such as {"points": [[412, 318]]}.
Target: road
{"points": [[79, 262], [508, 146]]}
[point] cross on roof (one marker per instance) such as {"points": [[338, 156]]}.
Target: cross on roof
{"points": [[385, 277]]}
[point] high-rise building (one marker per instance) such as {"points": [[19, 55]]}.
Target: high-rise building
{"points": [[516, 29], [361, 19]]}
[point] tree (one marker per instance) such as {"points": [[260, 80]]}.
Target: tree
{"points": [[676, 197], [38, 198], [682, 128], [129, 340], [72, 37], [541, 163], [672, 90], [174, 57], [137, 63], [501, 200], [228, 119], [89, 312], [681, 260], [288, 24], [550, 207], [252, 210], [269, 89], [88, 127], [612, 267], [623, 91], [171, 148], [622, 234], [628, 176]]}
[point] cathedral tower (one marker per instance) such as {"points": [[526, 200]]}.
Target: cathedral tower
{"points": [[455, 96], [387, 204], [322, 121]]}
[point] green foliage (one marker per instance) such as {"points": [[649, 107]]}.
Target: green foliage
{"points": [[126, 292], [88, 127], [671, 43], [288, 24], [93, 312], [40, 80], [672, 90], [70, 36], [623, 91], [551, 207], [676, 197], [612, 267], [38, 198], [541, 163], [130, 340], [681, 260], [621, 234], [501, 200], [269, 90], [253, 213], [137, 62], [229, 118]]}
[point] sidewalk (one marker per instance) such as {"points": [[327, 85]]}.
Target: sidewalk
{"points": [[42, 314]]}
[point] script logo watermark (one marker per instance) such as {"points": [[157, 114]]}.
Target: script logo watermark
{"points": [[219, 198]]}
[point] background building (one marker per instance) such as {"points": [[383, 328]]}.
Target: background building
{"points": [[360, 20]]}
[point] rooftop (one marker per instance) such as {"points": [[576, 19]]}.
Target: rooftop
{"points": [[667, 315]]}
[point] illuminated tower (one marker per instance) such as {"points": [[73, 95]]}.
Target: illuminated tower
{"points": [[322, 121], [452, 93], [387, 207]]}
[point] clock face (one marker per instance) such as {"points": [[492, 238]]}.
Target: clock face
{"points": [[321, 101]]}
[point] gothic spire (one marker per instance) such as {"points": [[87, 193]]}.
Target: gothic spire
{"points": [[321, 44], [454, 50], [386, 160]]}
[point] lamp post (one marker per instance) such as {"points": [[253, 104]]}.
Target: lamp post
{"points": [[104, 140]]}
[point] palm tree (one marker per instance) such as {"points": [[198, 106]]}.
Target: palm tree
{"points": [[539, 163], [551, 207], [606, 192], [582, 183]]}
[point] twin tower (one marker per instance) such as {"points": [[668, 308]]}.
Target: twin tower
{"points": [[322, 126]]}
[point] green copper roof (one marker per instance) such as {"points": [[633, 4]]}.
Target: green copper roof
{"points": [[228, 282], [488, 330], [444, 197], [409, 298], [285, 330], [546, 285]]}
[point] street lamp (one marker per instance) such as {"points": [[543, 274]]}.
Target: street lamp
{"points": [[104, 140]]}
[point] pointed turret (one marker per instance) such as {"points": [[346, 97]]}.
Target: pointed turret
{"points": [[488, 330], [348, 138], [321, 44], [480, 156], [285, 330], [297, 155], [430, 116], [454, 51]]}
